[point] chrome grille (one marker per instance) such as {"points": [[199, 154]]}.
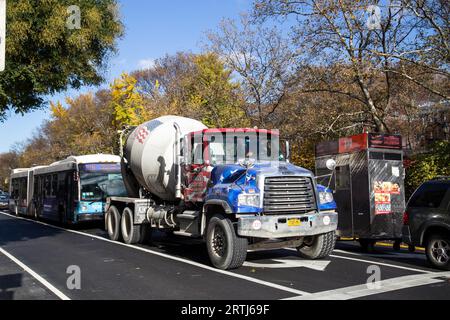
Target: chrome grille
{"points": [[289, 195]]}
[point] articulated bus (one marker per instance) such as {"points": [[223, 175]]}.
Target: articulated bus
{"points": [[20, 192], [69, 191]]}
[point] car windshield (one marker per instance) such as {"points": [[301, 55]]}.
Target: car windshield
{"points": [[231, 148], [99, 181]]}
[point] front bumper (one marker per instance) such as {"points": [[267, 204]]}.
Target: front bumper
{"points": [[276, 226]]}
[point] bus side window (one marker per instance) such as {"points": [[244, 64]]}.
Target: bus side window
{"points": [[54, 185], [47, 186]]}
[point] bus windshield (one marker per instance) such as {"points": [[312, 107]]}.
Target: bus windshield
{"points": [[102, 180]]}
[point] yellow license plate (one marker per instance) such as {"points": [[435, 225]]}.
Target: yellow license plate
{"points": [[294, 223]]}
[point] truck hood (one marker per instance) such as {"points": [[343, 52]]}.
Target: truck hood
{"points": [[230, 173]]}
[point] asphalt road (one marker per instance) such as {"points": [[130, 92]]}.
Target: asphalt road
{"points": [[35, 259]]}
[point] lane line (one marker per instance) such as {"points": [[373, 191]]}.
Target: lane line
{"points": [[44, 282], [228, 273], [388, 285], [374, 262], [382, 264], [396, 255]]}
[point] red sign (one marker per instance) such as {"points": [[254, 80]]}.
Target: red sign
{"points": [[385, 141], [354, 143]]}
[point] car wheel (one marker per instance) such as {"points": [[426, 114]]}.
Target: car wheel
{"points": [[438, 251]]}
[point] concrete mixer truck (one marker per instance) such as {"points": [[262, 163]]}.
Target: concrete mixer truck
{"points": [[233, 188]]}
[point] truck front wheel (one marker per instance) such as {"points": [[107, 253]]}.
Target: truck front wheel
{"points": [[317, 247], [226, 250]]}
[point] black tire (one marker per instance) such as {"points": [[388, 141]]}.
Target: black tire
{"points": [[226, 250], [131, 233], [112, 223], [317, 247], [367, 245], [438, 251]]}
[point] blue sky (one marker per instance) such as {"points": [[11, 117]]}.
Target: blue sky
{"points": [[152, 29]]}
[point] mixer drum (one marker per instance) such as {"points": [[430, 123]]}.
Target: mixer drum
{"points": [[151, 153]]}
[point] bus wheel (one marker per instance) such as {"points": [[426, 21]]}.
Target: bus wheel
{"points": [[113, 223], [131, 233]]}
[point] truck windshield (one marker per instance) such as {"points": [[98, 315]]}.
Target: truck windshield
{"points": [[99, 181], [231, 148]]}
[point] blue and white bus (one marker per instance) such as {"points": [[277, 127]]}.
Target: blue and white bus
{"points": [[70, 191]]}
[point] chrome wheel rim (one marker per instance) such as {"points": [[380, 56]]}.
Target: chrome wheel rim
{"points": [[440, 251], [218, 242]]}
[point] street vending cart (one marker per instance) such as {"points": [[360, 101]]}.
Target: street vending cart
{"points": [[368, 186]]}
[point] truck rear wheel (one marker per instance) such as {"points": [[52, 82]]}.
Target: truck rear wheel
{"points": [[318, 247], [131, 233], [113, 223], [226, 250]]}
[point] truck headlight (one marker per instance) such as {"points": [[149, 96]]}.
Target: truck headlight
{"points": [[250, 200], [325, 197]]}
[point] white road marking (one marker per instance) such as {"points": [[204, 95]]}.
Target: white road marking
{"points": [[397, 255], [228, 273], [381, 264], [44, 282], [318, 265], [388, 285], [375, 262]]}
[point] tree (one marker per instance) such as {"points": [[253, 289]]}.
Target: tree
{"points": [[48, 53], [127, 103], [264, 63], [195, 86], [428, 166], [375, 53], [8, 161]]}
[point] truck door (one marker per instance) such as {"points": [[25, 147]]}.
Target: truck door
{"points": [[196, 172]]}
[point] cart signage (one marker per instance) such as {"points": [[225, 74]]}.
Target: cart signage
{"points": [[352, 144], [384, 191], [384, 141]]}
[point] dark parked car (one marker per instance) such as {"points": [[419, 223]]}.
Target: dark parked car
{"points": [[427, 221], [4, 201]]}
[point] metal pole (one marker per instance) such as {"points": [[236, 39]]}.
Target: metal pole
{"points": [[2, 34]]}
